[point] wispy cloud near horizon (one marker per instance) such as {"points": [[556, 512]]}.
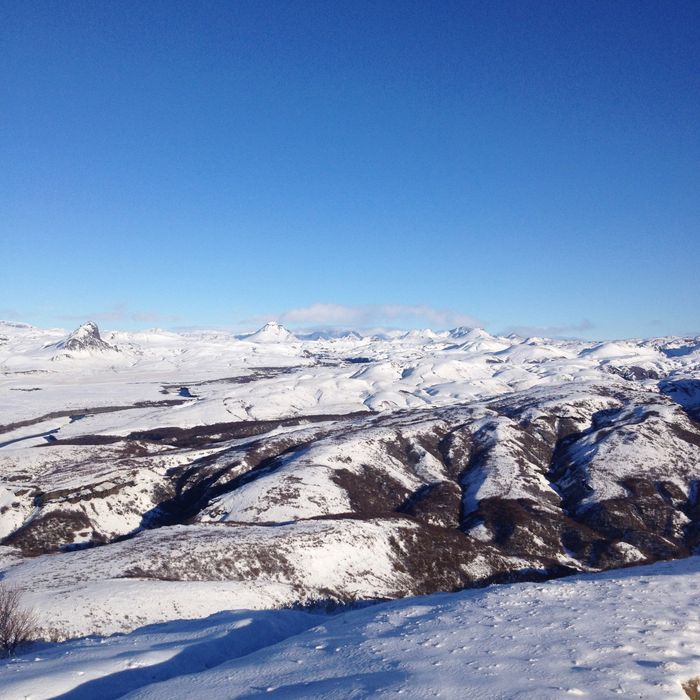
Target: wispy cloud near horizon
{"points": [[370, 315], [550, 331], [9, 314], [121, 312]]}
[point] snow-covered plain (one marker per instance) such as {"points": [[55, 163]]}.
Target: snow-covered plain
{"points": [[155, 476], [632, 634]]}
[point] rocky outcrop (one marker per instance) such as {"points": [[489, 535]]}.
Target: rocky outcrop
{"points": [[86, 338]]}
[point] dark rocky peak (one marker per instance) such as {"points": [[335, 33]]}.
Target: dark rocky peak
{"points": [[87, 337]]}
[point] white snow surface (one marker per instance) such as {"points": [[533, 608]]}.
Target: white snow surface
{"points": [[633, 633]]}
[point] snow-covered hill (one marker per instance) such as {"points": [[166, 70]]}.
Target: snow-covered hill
{"points": [[629, 634], [271, 332], [278, 470]]}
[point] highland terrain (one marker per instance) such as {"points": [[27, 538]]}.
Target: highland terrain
{"points": [[155, 476]]}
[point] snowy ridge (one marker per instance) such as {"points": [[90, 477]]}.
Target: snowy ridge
{"points": [[281, 470]]}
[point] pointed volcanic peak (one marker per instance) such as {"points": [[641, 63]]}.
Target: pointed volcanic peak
{"points": [[84, 339], [271, 332]]}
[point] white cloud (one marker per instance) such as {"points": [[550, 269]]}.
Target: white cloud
{"points": [[120, 312], [550, 331], [9, 314], [368, 315]]}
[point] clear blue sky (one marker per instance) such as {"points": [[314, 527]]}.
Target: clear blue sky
{"points": [[529, 164]]}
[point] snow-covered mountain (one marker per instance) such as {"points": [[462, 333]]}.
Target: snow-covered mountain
{"points": [[271, 332], [84, 339], [278, 470]]}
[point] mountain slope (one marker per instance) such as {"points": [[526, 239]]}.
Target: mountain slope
{"points": [[408, 464]]}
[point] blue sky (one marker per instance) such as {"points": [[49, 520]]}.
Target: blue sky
{"points": [[530, 165]]}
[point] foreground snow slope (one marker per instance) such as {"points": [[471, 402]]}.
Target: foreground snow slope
{"points": [[633, 633]]}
